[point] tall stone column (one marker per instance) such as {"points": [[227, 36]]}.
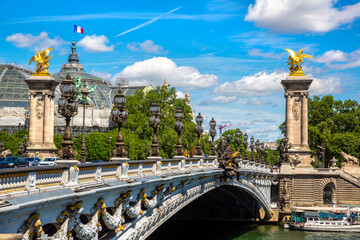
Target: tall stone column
{"points": [[296, 92], [304, 120], [41, 125]]}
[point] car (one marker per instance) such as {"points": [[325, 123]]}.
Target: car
{"points": [[97, 161], [49, 161], [13, 162], [33, 161]]}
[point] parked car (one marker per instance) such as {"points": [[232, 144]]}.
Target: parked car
{"points": [[13, 162], [33, 161], [97, 161], [49, 161]]}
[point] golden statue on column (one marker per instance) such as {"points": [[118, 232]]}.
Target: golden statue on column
{"points": [[41, 58], [295, 61]]}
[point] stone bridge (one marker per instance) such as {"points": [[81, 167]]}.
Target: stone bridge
{"points": [[119, 200]]}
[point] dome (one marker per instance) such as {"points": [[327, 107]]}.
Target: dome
{"points": [[14, 92], [101, 97]]}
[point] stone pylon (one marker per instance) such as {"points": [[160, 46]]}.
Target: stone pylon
{"points": [[296, 94], [41, 125]]}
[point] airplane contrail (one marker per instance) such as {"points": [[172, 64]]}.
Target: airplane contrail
{"points": [[148, 22]]}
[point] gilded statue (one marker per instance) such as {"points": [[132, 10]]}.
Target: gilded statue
{"points": [[41, 58], [295, 61]]}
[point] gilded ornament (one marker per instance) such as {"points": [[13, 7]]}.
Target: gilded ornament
{"points": [[295, 61], [41, 58]]}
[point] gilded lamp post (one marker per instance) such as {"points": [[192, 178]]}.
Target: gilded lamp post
{"points": [[212, 133], [238, 141], [155, 124], [179, 127], [245, 146], [68, 108], [199, 130], [252, 146], [257, 148], [84, 93], [119, 115]]}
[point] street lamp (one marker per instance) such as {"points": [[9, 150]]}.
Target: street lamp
{"points": [[199, 130], [23, 146], [155, 124], [179, 127], [238, 141], [119, 115], [257, 148], [245, 146], [1, 148], [68, 108], [252, 146], [212, 133], [284, 147], [110, 138], [84, 93]]}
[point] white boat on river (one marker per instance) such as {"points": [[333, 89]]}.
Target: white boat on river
{"points": [[325, 221]]}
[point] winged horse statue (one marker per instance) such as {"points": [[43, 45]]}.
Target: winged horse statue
{"points": [[295, 61], [41, 58]]}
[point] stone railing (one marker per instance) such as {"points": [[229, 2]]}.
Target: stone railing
{"points": [[35, 179], [254, 166]]}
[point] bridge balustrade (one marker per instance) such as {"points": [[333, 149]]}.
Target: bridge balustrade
{"points": [[35, 179]]}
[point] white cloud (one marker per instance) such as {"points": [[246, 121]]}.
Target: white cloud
{"points": [[101, 74], [155, 70], [260, 53], [272, 128], [147, 46], [262, 120], [35, 42], [220, 100], [258, 102], [95, 43], [337, 59], [331, 56], [299, 16], [262, 84], [180, 94]]}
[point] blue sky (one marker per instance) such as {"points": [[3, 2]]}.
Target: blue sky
{"points": [[228, 54]]}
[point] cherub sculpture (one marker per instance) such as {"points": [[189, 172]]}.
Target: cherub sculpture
{"points": [[41, 58], [295, 61]]}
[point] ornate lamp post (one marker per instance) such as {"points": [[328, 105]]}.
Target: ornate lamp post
{"points": [[119, 116], [23, 146], [68, 108], [212, 133], [179, 127], [245, 146], [284, 147], [110, 138], [266, 147], [84, 93], [155, 124], [252, 146], [199, 130], [238, 141], [257, 148], [1, 148]]}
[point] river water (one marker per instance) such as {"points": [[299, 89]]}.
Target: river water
{"points": [[220, 230]]}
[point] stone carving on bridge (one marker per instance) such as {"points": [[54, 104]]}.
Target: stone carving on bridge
{"points": [[134, 208], [39, 109], [32, 228], [112, 222], [350, 164], [74, 175]]}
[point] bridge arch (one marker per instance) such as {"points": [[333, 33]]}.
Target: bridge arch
{"points": [[146, 224]]}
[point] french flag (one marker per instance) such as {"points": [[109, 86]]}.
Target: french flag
{"points": [[78, 29]]}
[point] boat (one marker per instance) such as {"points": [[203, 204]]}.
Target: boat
{"points": [[325, 219]]}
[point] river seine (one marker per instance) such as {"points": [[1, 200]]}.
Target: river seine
{"points": [[220, 230]]}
